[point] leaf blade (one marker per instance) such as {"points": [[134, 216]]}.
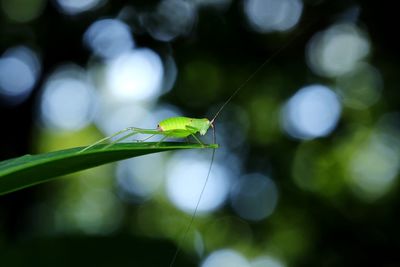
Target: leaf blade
{"points": [[29, 170]]}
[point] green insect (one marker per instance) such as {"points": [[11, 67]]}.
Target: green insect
{"points": [[174, 127]]}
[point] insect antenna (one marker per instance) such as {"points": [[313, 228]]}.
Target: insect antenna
{"points": [[184, 236], [243, 85], [260, 67], [254, 73]]}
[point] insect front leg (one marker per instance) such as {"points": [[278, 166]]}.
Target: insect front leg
{"points": [[197, 139], [193, 131]]}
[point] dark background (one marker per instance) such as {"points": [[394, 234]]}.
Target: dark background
{"points": [[346, 230]]}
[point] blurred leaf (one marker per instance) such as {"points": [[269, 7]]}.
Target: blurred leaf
{"points": [[29, 170]]}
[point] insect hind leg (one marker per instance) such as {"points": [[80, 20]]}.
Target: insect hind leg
{"points": [[121, 138], [147, 138], [107, 138]]}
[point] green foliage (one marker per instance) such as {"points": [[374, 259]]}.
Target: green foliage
{"points": [[29, 170]]}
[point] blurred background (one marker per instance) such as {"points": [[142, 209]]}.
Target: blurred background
{"points": [[307, 173]]}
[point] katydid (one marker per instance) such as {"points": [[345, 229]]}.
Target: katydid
{"points": [[174, 127]]}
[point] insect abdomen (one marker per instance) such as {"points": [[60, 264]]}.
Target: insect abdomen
{"points": [[174, 123]]}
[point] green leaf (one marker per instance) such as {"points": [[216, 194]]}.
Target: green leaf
{"points": [[29, 170]]}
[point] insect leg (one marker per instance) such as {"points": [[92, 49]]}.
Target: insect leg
{"points": [[147, 138], [192, 132], [134, 131], [197, 139], [120, 139], [105, 139], [166, 135]]}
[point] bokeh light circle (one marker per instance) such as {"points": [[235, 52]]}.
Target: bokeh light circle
{"points": [[225, 257], [19, 71], [254, 197], [75, 7], [273, 15], [312, 112], [108, 38], [338, 50], [186, 176], [135, 75], [68, 100]]}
